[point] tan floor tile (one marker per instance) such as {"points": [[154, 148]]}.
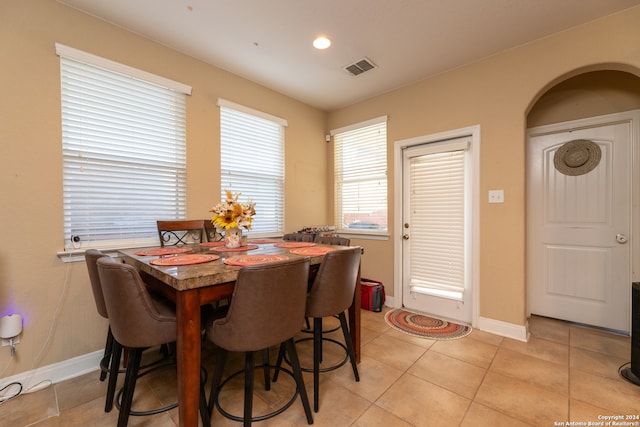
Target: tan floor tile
{"points": [[532, 369], [596, 363], [29, 408], [468, 350], [543, 349], [396, 353], [549, 329], [455, 375], [584, 412], [480, 416], [615, 395], [522, 401], [378, 417], [338, 406], [486, 337], [82, 389], [375, 378], [600, 341], [415, 340], [423, 404]]}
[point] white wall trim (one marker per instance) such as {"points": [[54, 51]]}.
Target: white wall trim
{"points": [[57, 372], [504, 329]]}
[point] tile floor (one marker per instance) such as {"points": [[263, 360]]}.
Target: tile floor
{"points": [[564, 373]]}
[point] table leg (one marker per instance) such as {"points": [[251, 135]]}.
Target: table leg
{"points": [[354, 319], [188, 356]]}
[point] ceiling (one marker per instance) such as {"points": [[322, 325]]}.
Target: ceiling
{"points": [[269, 42]]}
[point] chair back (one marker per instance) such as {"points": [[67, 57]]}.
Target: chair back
{"points": [[180, 232], [267, 306], [333, 240], [137, 320], [333, 288], [298, 237], [211, 234], [91, 257]]}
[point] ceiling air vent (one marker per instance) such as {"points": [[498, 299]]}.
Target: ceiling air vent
{"points": [[360, 67]]}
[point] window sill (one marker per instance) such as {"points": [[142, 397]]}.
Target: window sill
{"points": [[77, 255], [362, 235]]}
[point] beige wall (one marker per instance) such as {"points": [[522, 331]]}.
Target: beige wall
{"points": [[54, 298], [497, 94]]}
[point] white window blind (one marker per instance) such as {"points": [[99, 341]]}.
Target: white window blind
{"points": [[124, 155], [437, 217], [360, 164], [252, 163]]}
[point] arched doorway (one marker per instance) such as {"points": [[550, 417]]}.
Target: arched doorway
{"points": [[579, 221]]}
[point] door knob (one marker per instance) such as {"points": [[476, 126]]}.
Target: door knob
{"points": [[405, 236], [621, 238]]}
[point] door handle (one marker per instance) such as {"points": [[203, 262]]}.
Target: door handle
{"points": [[621, 238], [405, 236]]}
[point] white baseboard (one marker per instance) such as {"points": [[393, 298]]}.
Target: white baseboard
{"points": [[57, 372], [388, 301], [509, 330]]}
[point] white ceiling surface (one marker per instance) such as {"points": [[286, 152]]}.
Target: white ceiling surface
{"points": [[269, 41]]}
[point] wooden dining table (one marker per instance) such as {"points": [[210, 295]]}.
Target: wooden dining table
{"points": [[194, 285]]}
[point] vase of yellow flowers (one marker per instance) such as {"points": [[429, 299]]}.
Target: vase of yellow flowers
{"points": [[231, 217]]}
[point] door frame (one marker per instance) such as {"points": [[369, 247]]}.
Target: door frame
{"points": [[633, 117], [472, 132]]}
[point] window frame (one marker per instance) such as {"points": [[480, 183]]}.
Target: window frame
{"points": [[376, 234], [79, 61], [270, 200]]}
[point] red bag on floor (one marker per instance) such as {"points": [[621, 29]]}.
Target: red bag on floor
{"points": [[372, 295]]}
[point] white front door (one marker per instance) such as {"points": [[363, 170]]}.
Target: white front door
{"points": [[579, 224], [436, 229]]}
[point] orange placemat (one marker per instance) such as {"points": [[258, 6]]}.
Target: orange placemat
{"points": [[184, 259], [163, 251], [294, 244], [314, 251], [242, 260], [220, 243], [264, 241], [238, 249]]}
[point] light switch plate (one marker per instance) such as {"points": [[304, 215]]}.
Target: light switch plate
{"points": [[496, 196]]}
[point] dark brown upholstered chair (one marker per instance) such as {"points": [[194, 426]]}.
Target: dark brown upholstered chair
{"points": [[266, 310], [179, 232], [326, 240], [331, 294], [91, 257], [298, 237], [138, 321], [333, 240]]}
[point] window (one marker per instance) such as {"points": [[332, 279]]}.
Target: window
{"points": [[252, 163], [360, 163], [124, 152]]}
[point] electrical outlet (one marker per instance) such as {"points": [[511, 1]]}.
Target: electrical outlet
{"points": [[496, 196]]}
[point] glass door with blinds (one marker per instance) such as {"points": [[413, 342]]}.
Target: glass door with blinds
{"points": [[436, 229]]}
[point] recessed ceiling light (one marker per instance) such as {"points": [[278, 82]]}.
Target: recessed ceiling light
{"points": [[321, 42]]}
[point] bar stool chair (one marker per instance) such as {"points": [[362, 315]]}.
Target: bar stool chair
{"points": [[91, 257], [138, 321], [266, 309], [331, 294], [298, 237], [180, 232], [326, 240], [333, 240]]}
